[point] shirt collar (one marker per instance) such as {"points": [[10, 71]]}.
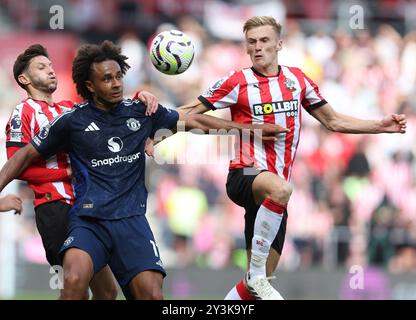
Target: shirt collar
{"points": [[279, 68]]}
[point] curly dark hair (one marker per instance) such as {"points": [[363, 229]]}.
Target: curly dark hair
{"points": [[23, 60], [87, 55]]}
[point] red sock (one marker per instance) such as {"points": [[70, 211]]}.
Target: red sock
{"points": [[243, 292]]}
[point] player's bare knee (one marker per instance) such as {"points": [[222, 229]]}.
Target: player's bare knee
{"points": [[149, 296], [153, 293], [74, 283], [156, 295], [71, 279], [280, 192], [105, 294], [86, 295], [110, 293]]}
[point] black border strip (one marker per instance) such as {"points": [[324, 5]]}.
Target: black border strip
{"points": [[15, 144], [316, 105], [206, 103]]}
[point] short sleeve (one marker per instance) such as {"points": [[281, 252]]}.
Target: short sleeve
{"points": [[164, 119], [312, 99], [222, 94], [20, 128]]}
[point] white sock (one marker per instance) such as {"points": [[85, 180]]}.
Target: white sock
{"points": [[239, 292], [267, 224], [233, 295]]}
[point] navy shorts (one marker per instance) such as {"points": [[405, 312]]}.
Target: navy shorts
{"points": [[127, 245]]}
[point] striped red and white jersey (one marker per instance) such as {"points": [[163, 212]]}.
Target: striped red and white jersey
{"points": [[256, 99], [48, 178]]}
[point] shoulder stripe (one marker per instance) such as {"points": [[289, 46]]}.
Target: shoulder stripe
{"points": [[80, 105], [60, 116]]}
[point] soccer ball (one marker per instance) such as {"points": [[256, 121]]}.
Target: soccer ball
{"points": [[172, 52]]}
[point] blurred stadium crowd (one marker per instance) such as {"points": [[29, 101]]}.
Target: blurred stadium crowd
{"points": [[354, 199]]}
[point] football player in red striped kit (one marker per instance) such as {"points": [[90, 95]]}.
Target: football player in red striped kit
{"points": [[50, 179], [259, 178]]}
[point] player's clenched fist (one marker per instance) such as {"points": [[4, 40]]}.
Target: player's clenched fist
{"points": [[268, 131]]}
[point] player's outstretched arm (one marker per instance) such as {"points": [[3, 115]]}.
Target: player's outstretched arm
{"points": [[205, 123], [17, 164], [11, 202], [195, 107], [37, 173], [338, 122]]}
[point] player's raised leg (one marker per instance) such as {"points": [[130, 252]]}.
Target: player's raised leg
{"points": [[273, 193], [264, 197]]}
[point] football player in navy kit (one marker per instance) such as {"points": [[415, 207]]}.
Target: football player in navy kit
{"points": [[105, 138]]}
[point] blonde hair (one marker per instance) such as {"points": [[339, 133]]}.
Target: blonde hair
{"points": [[259, 21]]}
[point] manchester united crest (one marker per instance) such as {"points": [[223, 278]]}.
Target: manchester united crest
{"points": [[133, 124]]}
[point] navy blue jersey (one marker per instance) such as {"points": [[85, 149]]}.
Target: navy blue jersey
{"points": [[107, 155]]}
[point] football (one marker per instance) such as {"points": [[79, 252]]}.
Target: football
{"points": [[171, 52]]}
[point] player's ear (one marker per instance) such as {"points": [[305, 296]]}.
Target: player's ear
{"points": [[23, 79], [89, 86], [279, 44]]}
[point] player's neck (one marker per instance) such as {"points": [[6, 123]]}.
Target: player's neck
{"points": [[104, 105], [41, 96], [268, 71]]}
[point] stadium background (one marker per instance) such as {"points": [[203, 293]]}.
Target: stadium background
{"points": [[354, 202]]}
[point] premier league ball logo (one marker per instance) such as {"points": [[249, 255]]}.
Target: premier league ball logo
{"points": [[16, 122], [44, 131]]}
